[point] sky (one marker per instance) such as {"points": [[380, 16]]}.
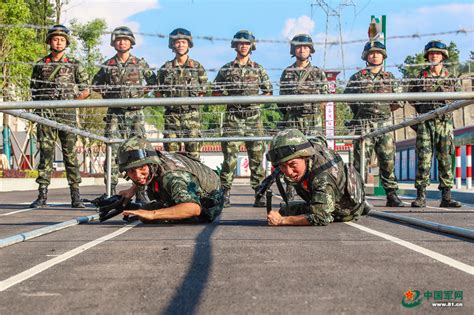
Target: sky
{"points": [[279, 20]]}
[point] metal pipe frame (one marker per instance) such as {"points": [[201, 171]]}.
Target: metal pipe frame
{"points": [[237, 139], [108, 157], [421, 118], [51, 123], [438, 227], [229, 100]]}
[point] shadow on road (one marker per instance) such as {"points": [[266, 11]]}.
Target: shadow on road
{"points": [[188, 295]]}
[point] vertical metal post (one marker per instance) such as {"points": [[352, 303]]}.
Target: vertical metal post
{"points": [[362, 159], [6, 138], [108, 158]]}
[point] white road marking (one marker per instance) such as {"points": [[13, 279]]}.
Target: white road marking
{"points": [[17, 211], [437, 256], [7, 283]]}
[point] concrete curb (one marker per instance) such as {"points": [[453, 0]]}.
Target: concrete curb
{"points": [[18, 238]]}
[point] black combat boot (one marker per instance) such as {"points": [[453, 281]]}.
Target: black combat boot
{"points": [[226, 198], [141, 196], [392, 199], [260, 202], [420, 200], [76, 201], [446, 200], [42, 196], [367, 208]]}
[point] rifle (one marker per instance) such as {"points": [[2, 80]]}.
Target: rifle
{"points": [[109, 207], [268, 182]]}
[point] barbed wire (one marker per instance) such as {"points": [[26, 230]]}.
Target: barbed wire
{"points": [[211, 38], [156, 68]]}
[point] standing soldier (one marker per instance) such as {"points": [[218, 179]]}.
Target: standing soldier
{"points": [[242, 76], [437, 133], [182, 77], [302, 78], [123, 76], [375, 115], [58, 77]]}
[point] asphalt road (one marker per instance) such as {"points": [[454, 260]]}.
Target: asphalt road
{"points": [[237, 265]]}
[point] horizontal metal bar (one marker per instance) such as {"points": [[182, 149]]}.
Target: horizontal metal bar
{"points": [[240, 139], [434, 226], [51, 123], [258, 99], [18, 238], [436, 113]]}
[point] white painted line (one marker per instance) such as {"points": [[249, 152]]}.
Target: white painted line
{"points": [[437, 256], [17, 211], [7, 283]]}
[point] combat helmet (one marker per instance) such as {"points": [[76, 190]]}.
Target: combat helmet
{"points": [[243, 36], [136, 152], [122, 32], [374, 46], [301, 40], [436, 45], [60, 30], [180, 33], [289, 144]]}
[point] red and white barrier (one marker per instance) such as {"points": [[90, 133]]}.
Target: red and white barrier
{"points": [[458, 167], [469, 166]]}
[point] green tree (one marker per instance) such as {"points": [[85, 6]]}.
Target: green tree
{"points": [[42, 15], [85, 47], [18, 46], [413, 64]]}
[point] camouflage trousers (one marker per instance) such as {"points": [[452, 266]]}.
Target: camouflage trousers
{"points": [[122, 124], [235, 125], [308, 124], [299, 207], [46, 141], [183, 125], [434, 135], [384, 148]]}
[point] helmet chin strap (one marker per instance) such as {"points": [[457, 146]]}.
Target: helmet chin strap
{"points": [[242, 55], [181, 54], [58, 51], [302, 59], [370, 64], [123, 51]]}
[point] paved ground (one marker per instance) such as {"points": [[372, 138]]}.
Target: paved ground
{"points": [[235, 266]]}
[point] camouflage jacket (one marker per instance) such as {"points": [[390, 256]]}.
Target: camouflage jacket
{"points": [[181, 179], [236, 79], [330, 189], [427, 82], [366, 82], [296, 81], [123, 80], [61, 80]]}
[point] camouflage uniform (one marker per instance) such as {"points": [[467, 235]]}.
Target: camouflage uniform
{"points": [[187, 80], [435, 134], [242, 120], [373, 116], [295, 81], [61, 80], [175, 178], [123, 80], [181, 179], [331, 190]]}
